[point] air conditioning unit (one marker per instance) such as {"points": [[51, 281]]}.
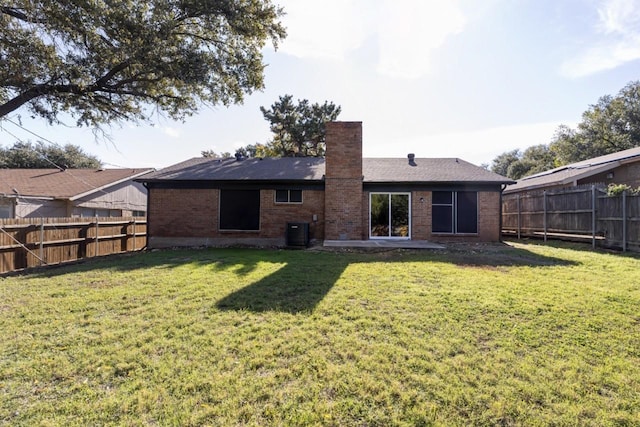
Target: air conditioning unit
{"points": [[298, 234]]}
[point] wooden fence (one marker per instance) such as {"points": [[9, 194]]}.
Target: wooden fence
{"points": [[32, 242], [585, 213]]}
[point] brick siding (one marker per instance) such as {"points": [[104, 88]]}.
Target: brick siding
{"points": [[190, 217], [343, 181]]}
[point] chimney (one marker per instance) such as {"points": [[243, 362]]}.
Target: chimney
{"points": [[343, 181], [343, 156]]}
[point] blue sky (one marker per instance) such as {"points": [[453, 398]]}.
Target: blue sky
{"points": [[449, 78]]}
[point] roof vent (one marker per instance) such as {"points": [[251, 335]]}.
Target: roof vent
{"points": [[412, 158]]}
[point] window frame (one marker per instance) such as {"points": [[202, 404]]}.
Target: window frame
{"points": [[220, 210], [389, 195], [288, 202], [455, 205]]}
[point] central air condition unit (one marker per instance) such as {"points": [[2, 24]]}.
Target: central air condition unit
{"points": [[298, 234]]}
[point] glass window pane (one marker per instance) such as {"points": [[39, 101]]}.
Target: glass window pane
{"points": [[282, 196], [295, 196], [442, 219], [380, 215], [400, 215], [442, 198], [467, 210], [239, 209]]}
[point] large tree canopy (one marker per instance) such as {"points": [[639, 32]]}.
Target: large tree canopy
{"points": [[110, 60], [609, 126], [298, 129], [26, 155]]}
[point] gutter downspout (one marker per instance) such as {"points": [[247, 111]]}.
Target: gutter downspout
{"points": [[148, 227], [502, 188]]}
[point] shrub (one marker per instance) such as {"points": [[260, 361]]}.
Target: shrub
{"points": [[618, 189]]}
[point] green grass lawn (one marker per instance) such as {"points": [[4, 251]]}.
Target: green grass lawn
{"points": [[519, 334]]}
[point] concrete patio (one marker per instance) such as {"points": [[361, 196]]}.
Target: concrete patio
{"points": [[374, 243]]}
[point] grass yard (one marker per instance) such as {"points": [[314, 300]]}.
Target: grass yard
{"points": [[518, 334]]}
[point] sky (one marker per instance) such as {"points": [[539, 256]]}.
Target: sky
{"points": [[439, 78]]}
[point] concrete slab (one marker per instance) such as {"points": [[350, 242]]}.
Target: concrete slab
{"points": [[375, 243]]}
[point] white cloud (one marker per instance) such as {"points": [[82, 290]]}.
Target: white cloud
{"points": [[326, 29], [170, 131], [618, 30], [411, 30], [407, 31]]}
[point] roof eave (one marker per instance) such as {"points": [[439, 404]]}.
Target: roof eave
{"points": [[103, 187]]}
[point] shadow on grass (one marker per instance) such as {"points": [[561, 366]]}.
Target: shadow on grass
{"points": [[305, 276], [297, 287]]}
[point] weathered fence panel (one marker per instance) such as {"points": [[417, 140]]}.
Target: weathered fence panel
{"points": [[575, 214], [619, 220], [31, 242]]}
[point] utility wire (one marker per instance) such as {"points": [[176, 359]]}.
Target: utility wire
{"points": [[43, 156]]}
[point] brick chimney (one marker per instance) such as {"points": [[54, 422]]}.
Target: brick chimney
{"points": [[343, 181]]}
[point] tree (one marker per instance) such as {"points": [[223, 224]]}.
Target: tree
{"points": [[110, 61], [610, 125], [515, 165], [26, 155], [213, 155], [298, 130], [501, 163]]}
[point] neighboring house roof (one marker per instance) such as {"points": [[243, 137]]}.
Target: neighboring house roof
{"points": [[375, 170], [575, 171], [68, 184]]}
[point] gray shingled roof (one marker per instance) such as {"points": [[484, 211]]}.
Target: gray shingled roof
{"points": [[575, 171], [206, 169], [375, 170], [427, 170]]}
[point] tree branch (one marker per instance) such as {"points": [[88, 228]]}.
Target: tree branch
{"points": [[16, 13]]}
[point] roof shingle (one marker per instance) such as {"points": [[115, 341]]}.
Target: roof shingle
{"points": [[54, 183], [375, 170]]}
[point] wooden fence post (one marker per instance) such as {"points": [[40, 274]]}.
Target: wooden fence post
{"points": [[41, 241], [624, 221], [544, 214], [519, 223], [95, 252], [593, 216], [134, 234]]}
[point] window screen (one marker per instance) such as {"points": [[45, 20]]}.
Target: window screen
{"points": [[239, 209], [467, 212], [454, 212], [442, 212]]}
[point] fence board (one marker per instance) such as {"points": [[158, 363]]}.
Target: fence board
{"points": [[30, 242], [570, 215]]}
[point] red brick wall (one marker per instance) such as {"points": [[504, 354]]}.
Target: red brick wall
{"points": [[183, 212], [343, 181], [193, 213], [274, 216]]}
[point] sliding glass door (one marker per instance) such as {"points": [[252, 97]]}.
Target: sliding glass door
{"points": [[389, 215]]}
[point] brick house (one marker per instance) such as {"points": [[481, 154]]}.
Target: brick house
{"points": [[211, 202]]}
